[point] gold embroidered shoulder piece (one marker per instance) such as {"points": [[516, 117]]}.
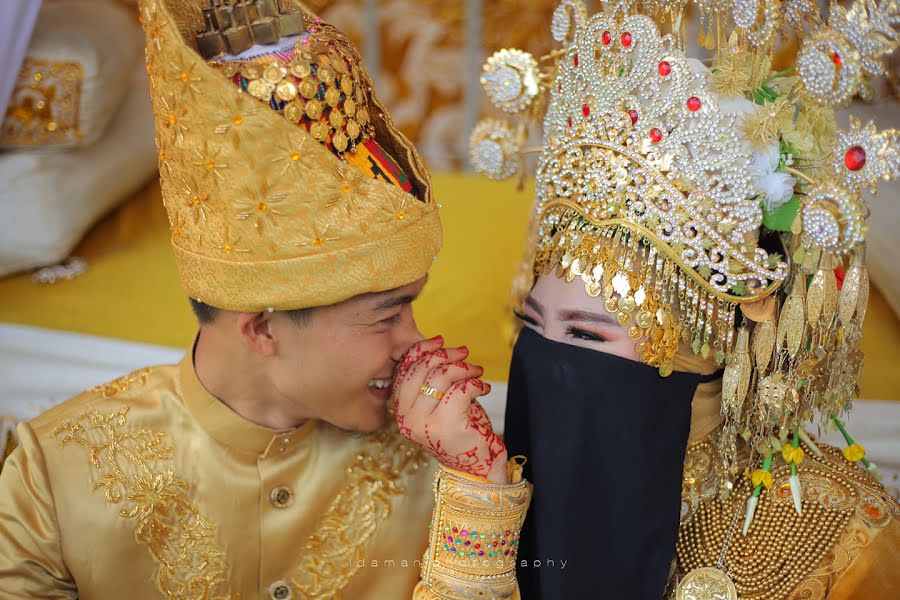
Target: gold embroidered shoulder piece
{"points": [[134, 473], [345, 530], [784, 554]]}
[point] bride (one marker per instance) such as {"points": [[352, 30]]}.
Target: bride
{"points": [[693, 294]]}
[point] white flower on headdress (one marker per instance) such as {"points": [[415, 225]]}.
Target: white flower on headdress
{"points": [[777, 186], [737, 106]]}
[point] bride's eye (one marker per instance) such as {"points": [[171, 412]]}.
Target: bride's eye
{"points": [[583, 334], [525, 318]]}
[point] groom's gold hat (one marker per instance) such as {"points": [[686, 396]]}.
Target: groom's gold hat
{"points": [[271, 210]]}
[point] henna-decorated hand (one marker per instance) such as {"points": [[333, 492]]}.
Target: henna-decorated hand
{"points": [[455, 429]]}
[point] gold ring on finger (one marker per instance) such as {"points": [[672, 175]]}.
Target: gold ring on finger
{"points": [[435, 393]]}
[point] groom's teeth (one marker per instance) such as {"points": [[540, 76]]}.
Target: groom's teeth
{"points": [[380, 383]]}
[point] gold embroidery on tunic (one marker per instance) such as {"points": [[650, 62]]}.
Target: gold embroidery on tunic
{"points": [[178, 537], [784, 554], [347, 527], [43, 108], [183, 543], [820, 581]]}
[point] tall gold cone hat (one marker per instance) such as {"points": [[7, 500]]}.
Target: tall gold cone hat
{"points": [[262, 215]]}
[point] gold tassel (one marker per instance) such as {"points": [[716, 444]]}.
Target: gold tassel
{"points": [[736, 379], [792, 325], [763, 344], [815, 298], [831, 293]]}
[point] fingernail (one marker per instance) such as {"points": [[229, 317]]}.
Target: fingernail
{"points": [[464, 348], [437, 338]]}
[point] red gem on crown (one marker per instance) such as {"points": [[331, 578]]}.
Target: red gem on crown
{"points": [[855, 158]]}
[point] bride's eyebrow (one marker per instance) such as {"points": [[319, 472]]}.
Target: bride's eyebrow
{"points": [[535, 305], [585, 316]]}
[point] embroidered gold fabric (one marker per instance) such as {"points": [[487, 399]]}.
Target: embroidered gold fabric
{"points": [[44, 105], [784, 555], [332, 555], [474, 538], [135, 473], [261, 214], [173, 489]]}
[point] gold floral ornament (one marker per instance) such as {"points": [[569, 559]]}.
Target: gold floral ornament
{"points": [[245, 185], [864, 155], [835, 63], [44, 104]]}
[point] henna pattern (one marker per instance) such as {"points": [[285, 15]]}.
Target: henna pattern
{"points": [[473, 447]]}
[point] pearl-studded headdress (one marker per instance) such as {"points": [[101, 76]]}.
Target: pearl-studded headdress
{"points": [[715, 208]]}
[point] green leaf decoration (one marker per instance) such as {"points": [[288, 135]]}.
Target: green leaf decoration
{"points": [[782, 217]]}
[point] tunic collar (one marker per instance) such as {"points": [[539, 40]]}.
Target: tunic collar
{"points": [[226, 426]]}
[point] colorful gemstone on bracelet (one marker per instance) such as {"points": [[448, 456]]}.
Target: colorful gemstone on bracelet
{"points": [[468, 542], [473, 534], [453, 549], [446, 547], [464, 533], [481, 553]]}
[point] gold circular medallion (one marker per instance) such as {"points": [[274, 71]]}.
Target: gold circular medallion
{"points": [[319, 130], [251, 70], [293, 112], [332, 97], [314, 110], [308, 88], [274, 73], [706, 583], [336, 119], [286, 90], [340, 141], [229, 69], [326, 74], [301, 69], [338, 64], [353, 129], [260, 89], [346, 84], [349, 107], [362, 115]]}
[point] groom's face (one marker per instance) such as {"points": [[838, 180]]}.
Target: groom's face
{"points": [[564, 312], [339, 366]]}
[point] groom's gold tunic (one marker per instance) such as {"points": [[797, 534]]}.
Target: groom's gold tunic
{"points": [[150, 487]]}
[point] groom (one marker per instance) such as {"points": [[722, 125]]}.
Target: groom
{"points": [[265, 463]]}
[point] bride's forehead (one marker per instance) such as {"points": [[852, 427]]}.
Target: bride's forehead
{"points": [[555, 292]]}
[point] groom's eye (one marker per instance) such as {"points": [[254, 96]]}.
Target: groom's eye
{"points": [[526, 318], [584, 334]]}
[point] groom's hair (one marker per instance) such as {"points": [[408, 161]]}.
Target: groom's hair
{"points": [[206, 314]]}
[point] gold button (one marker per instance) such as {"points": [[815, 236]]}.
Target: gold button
{"points": [[281, 497], [280, 591]]}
